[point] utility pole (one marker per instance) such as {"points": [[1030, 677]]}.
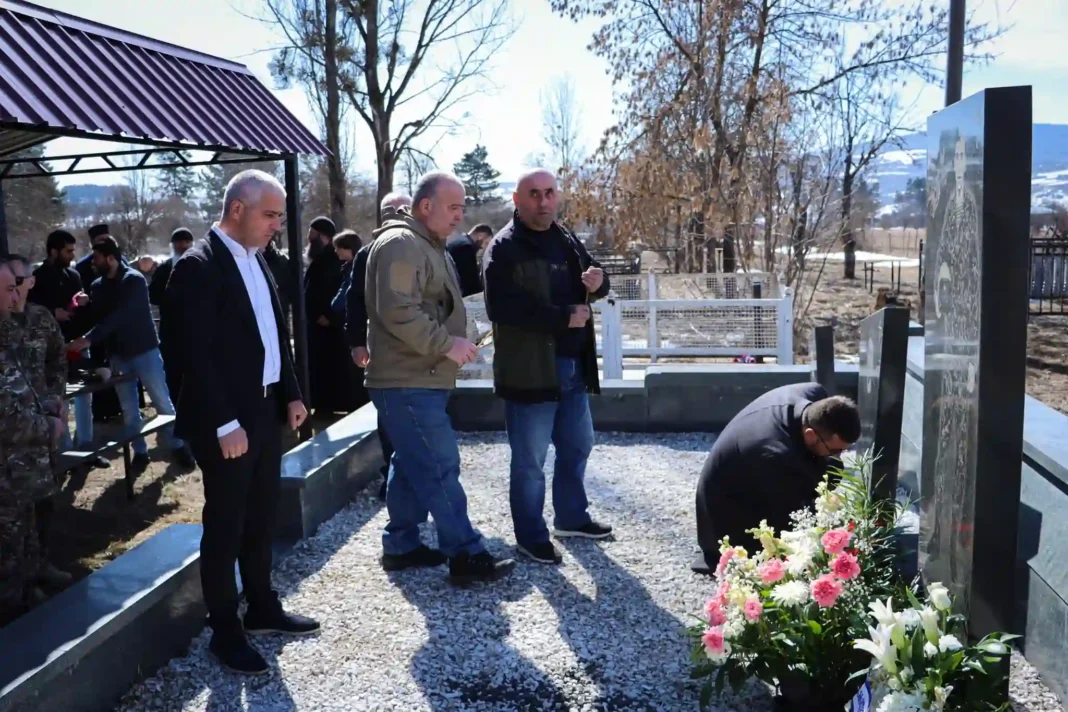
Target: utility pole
{"points": [[955, 58]]}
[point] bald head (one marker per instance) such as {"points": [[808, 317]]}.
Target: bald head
{"points": [[536, 197], [396, 201], [439, 203]]}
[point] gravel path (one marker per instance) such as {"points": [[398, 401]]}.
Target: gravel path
{"points": [[604, 631]]}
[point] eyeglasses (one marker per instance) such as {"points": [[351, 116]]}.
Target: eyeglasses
{"points": [[831, 451]]}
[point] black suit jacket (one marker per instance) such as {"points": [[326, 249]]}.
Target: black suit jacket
{"points": [[465, 256], [222, 355], [355, 307]]}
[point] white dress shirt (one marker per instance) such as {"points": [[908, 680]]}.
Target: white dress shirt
{"points": [[259, 294]]}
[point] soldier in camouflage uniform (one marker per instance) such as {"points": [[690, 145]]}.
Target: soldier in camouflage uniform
{"points": [[39, 343], [27, 437]]}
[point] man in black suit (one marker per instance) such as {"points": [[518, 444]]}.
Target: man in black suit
{"points": [[169, 342], [464, 253], [238, 389]]}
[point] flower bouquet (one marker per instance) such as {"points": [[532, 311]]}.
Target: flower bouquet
{"points": [[920, 662], [789, 613]]}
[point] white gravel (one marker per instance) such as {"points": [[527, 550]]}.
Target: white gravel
{"points": [[604, 631]]}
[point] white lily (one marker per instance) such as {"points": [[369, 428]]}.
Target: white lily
{"points": [[883, 612], [941, 694], [929, 621], [880, 647], [930, 650], [939, 596], [994, 647]]}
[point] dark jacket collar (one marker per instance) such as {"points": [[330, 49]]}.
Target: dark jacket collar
{"points": [[522, 230]]}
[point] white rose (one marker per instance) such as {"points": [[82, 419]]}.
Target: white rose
{"points": [[930, 650], [949, 644], [939, 596]]}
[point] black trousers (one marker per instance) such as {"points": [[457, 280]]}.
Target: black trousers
{"points": [[240, 503]]}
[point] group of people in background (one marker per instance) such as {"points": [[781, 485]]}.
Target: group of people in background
{"points": [[386, 321]]}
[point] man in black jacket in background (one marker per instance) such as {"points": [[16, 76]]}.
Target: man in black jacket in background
{"points": [[767, 462], [356, 319], [169, 348], [464, 253], [326, 342], [239, 389], [123, 317]]}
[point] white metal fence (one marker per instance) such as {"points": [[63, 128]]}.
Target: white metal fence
{"points": [[738, 285], [653, 329]]}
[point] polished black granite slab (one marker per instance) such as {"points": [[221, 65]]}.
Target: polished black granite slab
{"points": [[322, 474], [81, 650], [881, 393], [979, 183], [821, 356]]}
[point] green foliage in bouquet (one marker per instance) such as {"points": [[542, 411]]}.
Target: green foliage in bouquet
{"points": [[788, 614], [920, 663]]}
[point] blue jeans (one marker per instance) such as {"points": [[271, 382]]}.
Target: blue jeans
{"points": [[531, 426], [424, 475], [148, 369], [83, 424]]}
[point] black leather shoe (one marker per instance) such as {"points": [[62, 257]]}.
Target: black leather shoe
{"points": [[139, 464], [423, 557], [281, 622], [235, 654]]}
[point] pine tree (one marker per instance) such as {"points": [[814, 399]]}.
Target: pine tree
{"points": [[34, 207], [479, 177]]}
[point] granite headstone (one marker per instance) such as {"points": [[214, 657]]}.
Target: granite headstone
{"points": [[978, 208], [821, 355], [884, 345]]}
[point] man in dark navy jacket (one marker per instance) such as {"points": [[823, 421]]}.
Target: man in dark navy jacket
{"points": [[464, 253], [767, 462], [123, 318]]}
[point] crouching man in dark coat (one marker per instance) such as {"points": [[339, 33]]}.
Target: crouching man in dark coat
{"points": [[767, 462]]}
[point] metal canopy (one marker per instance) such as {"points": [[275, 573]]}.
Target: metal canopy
{"points": [[61, 75]]}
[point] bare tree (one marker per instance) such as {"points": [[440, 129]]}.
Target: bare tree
{"points": [[135, 210], [413, 63], [561, 120], [317, 38]]}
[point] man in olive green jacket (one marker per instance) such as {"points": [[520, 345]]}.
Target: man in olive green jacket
{"points": [[416, 324]]}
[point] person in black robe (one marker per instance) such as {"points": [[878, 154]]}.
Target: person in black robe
{"points": [[325, 339], [464, 252], [169, 343], [347, 244], [278, 263], [766, 464]]}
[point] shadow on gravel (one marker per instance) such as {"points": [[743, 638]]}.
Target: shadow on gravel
{"points": [[466, 662], [184, 679], [637, 653]]}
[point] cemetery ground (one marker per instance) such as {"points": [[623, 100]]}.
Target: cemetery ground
{"points": [[605, 631]]}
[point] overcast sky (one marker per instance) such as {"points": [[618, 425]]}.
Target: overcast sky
{"points": [[507, 120]]}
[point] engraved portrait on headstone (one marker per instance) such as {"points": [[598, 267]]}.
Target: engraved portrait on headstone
{"points": [[953, 303]]}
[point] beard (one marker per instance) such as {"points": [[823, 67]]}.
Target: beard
{"points": [[315, 249]]}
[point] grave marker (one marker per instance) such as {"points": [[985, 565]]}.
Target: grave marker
{"points": [[884, 344], [978, 203], [821, 355]]}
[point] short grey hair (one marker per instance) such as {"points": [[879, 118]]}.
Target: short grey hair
{"points": [[396, 200], [427, 187], [248, 187]]}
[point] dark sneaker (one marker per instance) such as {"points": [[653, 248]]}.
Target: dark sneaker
{"points": [[542, 552], [184, 458], [99, 462], [281, 622], [139, 464], [423, 557], [235, 654], [465, 568], [593, 530]]}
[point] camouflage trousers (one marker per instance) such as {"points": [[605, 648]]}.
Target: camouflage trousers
{"points": [[20, 557]]}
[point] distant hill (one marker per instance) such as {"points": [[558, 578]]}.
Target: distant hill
{"points": [[1049, 165], [89, 194]]}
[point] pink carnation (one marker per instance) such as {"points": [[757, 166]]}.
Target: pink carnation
{"points": [[714, 612], [753, 609], [724, 559], [713, 640], [836, 540], [845, 566], [826, 590], [771, 571], [721, 593]]}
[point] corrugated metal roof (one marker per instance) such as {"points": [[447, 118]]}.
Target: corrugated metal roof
{"points": [[63, 75]]}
